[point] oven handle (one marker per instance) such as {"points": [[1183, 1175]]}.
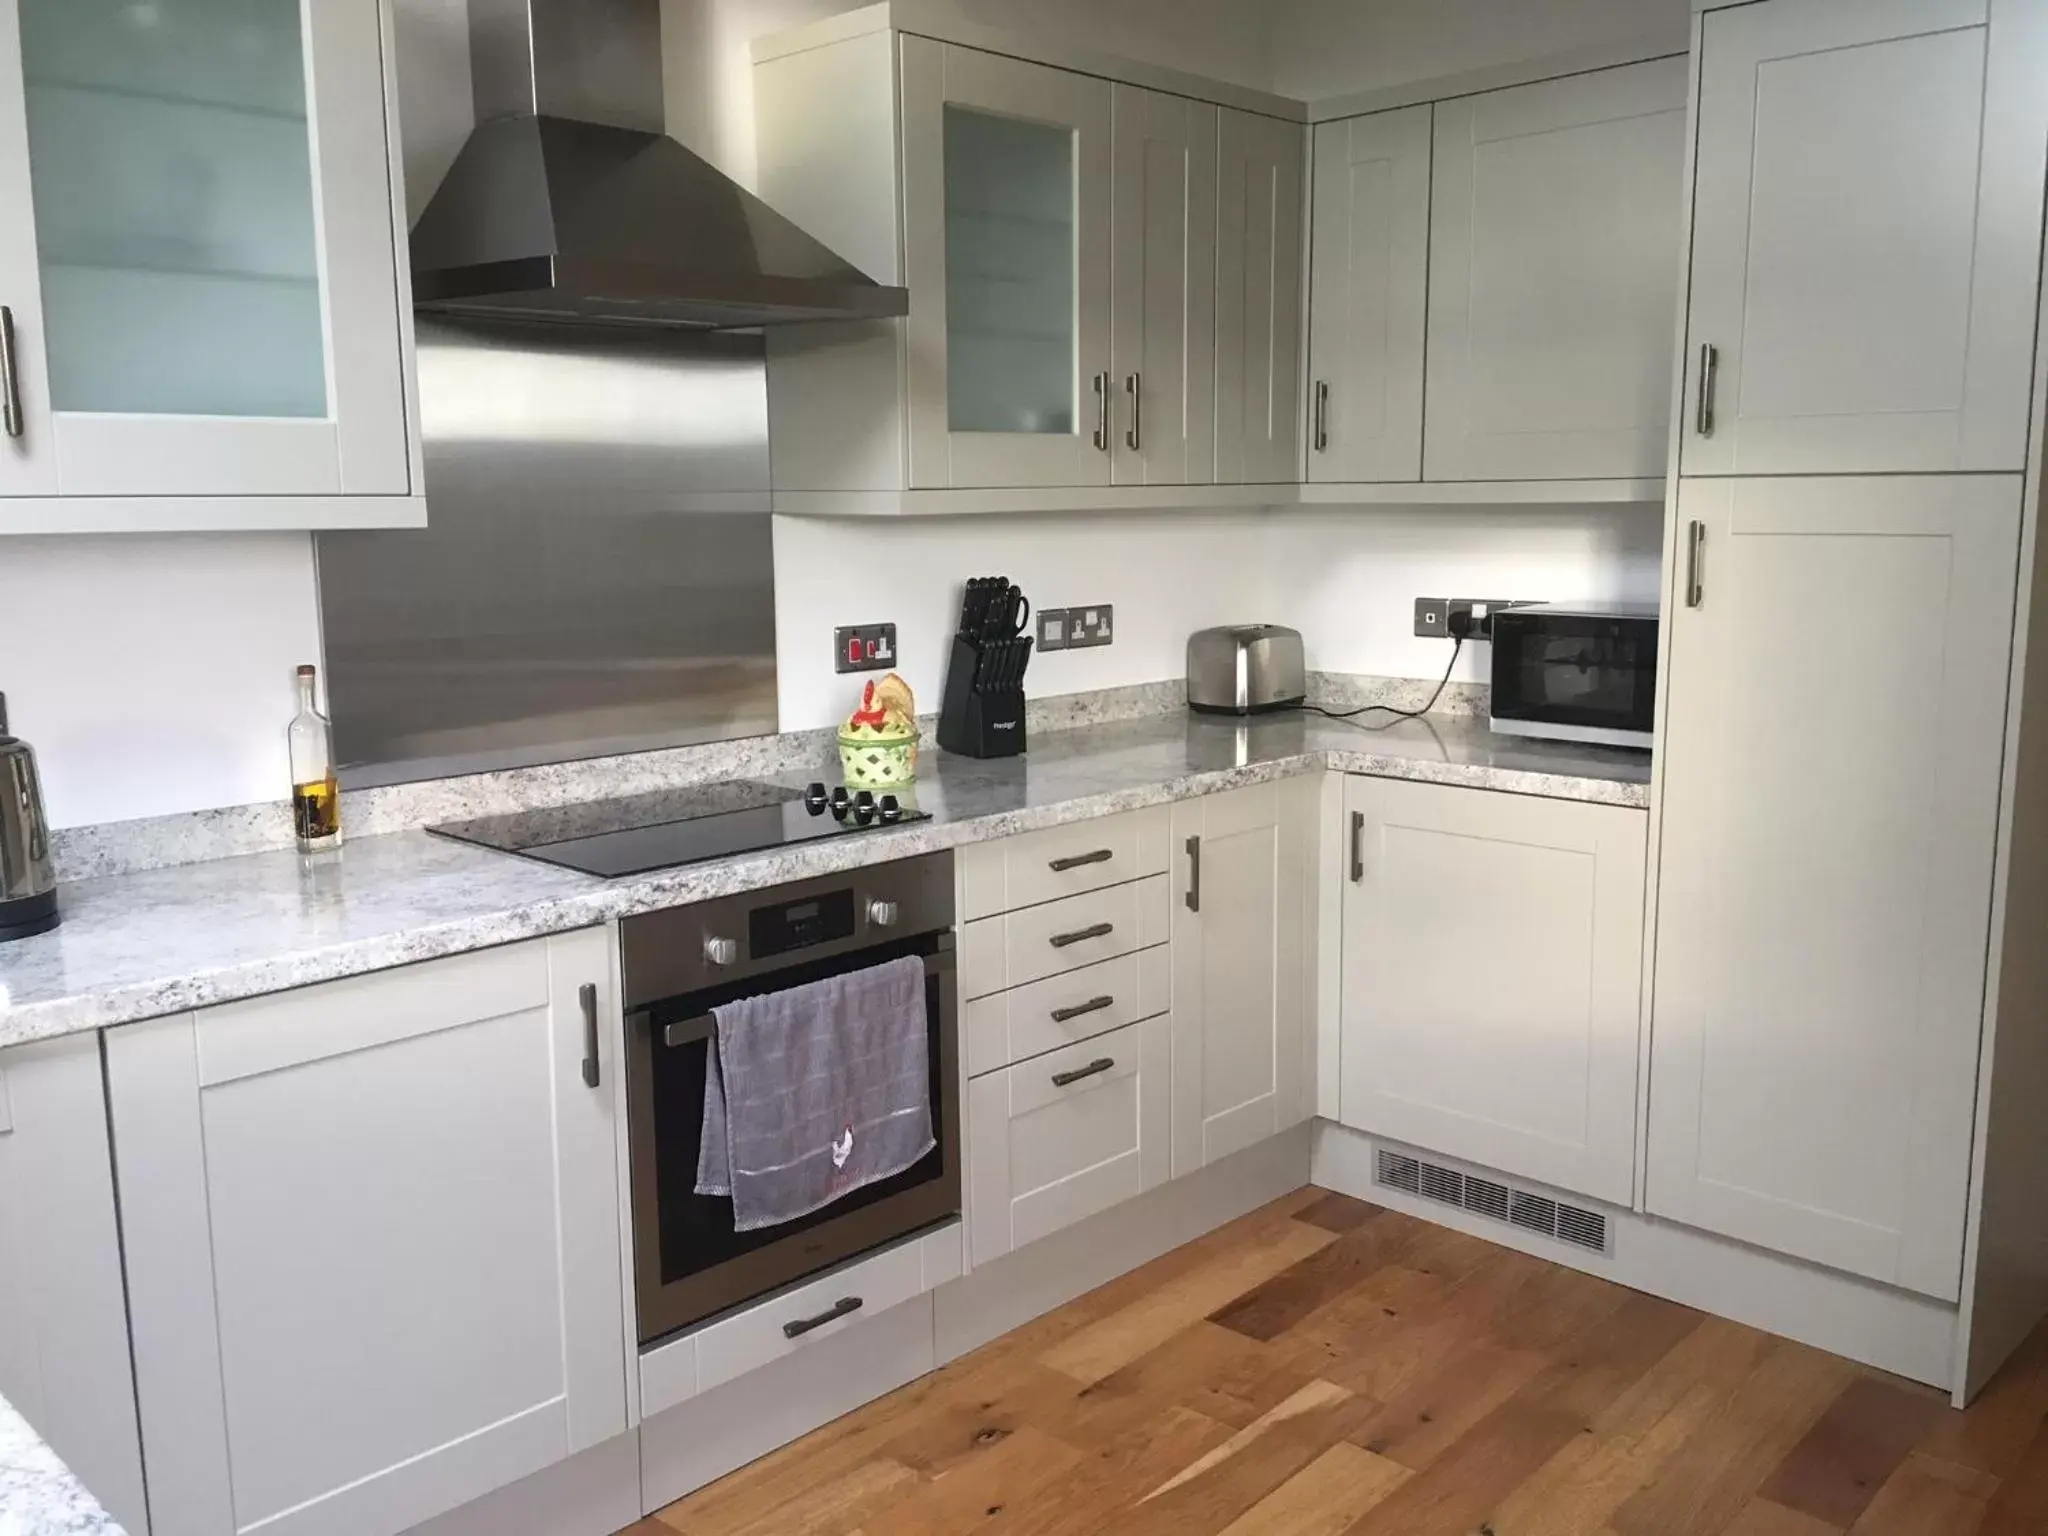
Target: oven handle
{"points": [[704, 1025]]}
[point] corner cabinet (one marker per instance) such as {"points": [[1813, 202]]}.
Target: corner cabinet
{"points": [[204, 302], [1104, 276], [373, 1240], [1242, 957]]}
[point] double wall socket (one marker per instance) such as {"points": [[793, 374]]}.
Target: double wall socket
{"points": [[1433, 614], [1074, 629]]}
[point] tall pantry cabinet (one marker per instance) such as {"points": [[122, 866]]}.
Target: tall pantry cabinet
{"points": [[1834, 781]]}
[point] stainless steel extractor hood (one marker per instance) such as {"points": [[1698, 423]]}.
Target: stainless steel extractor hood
{"points": [[569, 202]]}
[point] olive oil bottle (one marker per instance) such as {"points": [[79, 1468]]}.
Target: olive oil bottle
{"points": [[316, 805]]}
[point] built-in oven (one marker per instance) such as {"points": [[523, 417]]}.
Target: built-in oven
{"points": [[679, 965], [1576, 672]]}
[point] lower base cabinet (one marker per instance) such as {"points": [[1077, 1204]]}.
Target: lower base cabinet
{"points": [[1492, 968], [372, 1233]]}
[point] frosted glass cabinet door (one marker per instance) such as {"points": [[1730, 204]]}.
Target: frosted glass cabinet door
{"points": [[1866, 237], [1007, 195], [208, 225]]}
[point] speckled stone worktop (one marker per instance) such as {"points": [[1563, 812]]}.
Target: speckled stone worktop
{"points": [[137, 946], [38, 1494]]}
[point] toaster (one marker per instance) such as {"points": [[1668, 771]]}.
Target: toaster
{"points": [[1245, 669]]}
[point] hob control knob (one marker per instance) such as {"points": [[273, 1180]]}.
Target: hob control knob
{"points": [[840, 802], [721, 951], [864, 814], [815, 798], [883, 914], [891, 808], [865, 798]]}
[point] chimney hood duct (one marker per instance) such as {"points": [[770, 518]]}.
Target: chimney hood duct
{"points": [[568, 202]]}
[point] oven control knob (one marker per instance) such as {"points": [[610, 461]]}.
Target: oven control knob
{"points": [[883, 914], [721, 951]]}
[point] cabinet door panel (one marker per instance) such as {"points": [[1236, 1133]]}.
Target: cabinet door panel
{"points": [[1258, 300], [1007, 189], [1866, 236], [1240, 985], [372, 1283], [1554, 269], [1492, 979], [28, 467], [1368, 275], [1821, 936], [1164, 299]]}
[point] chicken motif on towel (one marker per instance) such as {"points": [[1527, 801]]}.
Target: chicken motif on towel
{"points": [[842, 1148]]}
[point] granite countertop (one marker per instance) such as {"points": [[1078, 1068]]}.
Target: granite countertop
{"points": [[141, 945], [38, 1494]]}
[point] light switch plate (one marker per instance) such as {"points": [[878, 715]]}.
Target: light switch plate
{"points": [[864, 648], [1052, 629]]}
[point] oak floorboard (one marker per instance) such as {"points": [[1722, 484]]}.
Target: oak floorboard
{"points": [[1325, 1367]]}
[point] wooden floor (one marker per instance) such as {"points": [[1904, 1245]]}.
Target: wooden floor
{"points": [[1323, 1366]]}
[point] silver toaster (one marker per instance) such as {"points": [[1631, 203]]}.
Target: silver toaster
{"points": [[1245, 669]]}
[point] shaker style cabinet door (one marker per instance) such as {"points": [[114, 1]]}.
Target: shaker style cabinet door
{"points": [[1821, 935], [1242, 889], [1368, 278], [1258, 299], [1866, 237], [199, 260], [1492, 979], [1007, 176], [372, 1232], [1163, 224], [1555, 255]]}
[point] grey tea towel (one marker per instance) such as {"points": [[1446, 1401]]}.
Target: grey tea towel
{"points": [[814, 1092]]}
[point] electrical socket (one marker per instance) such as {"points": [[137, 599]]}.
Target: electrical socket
{"points": [[864, 648], [1090, 626], [1433, 614]]}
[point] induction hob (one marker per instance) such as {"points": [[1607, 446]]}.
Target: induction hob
{"points": [[660, 830]]}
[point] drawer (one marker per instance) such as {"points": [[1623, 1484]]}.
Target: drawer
{"points": [[1033, 867], [1044, 1153], [1025, 1021], [1022, 947]]}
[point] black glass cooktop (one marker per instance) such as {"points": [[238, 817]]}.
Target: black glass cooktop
{"points": [[640, 833]]}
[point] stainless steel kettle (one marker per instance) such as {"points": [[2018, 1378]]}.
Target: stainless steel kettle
{"points": [[28, 880]]}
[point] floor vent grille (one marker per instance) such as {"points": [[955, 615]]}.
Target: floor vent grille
{"points": [[1571, 1224]]}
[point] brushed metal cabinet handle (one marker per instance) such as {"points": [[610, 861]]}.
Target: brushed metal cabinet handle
{"points": [[1710, 374], [1134, 386], [1357, 847], [1322, 432], [1102, 411], [1093, 1005], [1082, 935], [1094, 1068], [846, 1306], [1695, 561], [11, 419], [1194, 874], [586, 998], [1081, 860]]}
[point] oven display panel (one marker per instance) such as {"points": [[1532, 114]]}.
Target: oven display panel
{"points": [[795, 925]]}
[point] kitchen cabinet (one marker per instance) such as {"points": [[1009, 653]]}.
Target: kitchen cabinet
{"points": [[1834, 733], [1369, 268], [202, 272], [1492, 973], [1163, 303], [1258, 299], [1555, 250], [1241, 918], [373, 1243], [1866, 233], [63, 1319]]}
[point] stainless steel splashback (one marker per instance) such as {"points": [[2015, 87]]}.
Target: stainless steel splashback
{"points": [[597, 574]]}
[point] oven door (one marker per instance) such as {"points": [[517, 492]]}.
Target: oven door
{"points": [[1575, 676], [689, 1262]]}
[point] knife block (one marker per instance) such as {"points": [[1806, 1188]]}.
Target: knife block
{"points": [[977, 719]]}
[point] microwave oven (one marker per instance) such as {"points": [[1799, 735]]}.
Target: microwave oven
{"points": [[1576, 672]]}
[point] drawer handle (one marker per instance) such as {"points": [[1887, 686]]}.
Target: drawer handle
{"points": [[1094, 1068], [1093, 1005], [1081, 860], [1082, 935], [846, 1306]]}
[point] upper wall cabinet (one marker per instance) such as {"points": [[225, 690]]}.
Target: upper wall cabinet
{"points": [[203, 307], [1371, 273], [1104, 275], [1554, 258], [1867, 218]]}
